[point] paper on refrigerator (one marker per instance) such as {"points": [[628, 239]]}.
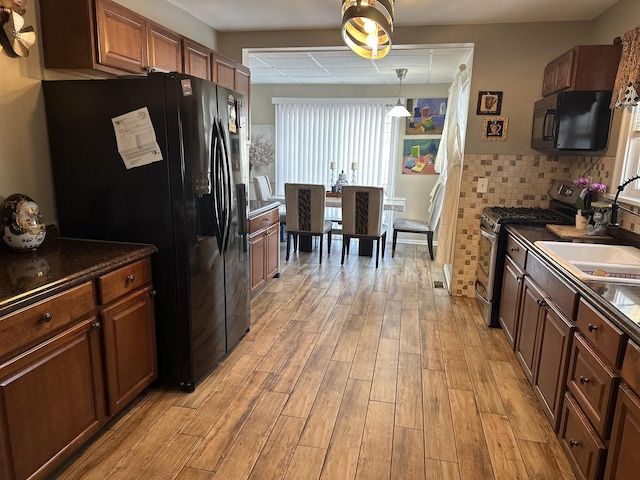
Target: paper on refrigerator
{"points": [[136, 138]]}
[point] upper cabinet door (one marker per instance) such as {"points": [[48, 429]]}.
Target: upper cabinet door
{"points": [[121, 37], [197, 59], [164, 49]]}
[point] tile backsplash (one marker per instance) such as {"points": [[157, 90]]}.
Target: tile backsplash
{"points": [[515, 180]]}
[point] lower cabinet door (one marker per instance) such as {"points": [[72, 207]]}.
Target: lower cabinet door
{"points": [[129, 347], [553, 363], [257, 252], [51, 401], [623, 461], [528, 327]]}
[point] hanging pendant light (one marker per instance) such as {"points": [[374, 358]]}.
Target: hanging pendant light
{"points": [[367, 27], [399, 110]]}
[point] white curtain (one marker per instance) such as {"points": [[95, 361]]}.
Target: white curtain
{"points": [[312, 133], [449, 162]]}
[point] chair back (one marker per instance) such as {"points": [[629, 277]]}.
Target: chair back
{"points": [[262, 187], [305, 205], [362, 210], [435, 209]]}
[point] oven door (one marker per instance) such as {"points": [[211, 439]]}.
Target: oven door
{"points": [[485, 274]]}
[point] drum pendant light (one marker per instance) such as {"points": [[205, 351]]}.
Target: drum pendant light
{"points": [[367, 27], [399, 110]]}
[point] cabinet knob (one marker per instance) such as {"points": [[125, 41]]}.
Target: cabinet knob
{"points": [[46, 317], [515, 249], [130, 278], [96, 325], [573, 443], [584, 380], [153, 293], [592, 328]]}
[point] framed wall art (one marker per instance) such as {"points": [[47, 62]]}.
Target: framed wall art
{"points": [[489, 103], [419, 156], [427, 115], [495, 128]]}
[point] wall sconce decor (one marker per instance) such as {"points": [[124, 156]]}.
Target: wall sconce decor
{"points": [[15, 38], [367, 26]]}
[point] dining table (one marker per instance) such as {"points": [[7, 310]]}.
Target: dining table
{"points": [[333, 212]]}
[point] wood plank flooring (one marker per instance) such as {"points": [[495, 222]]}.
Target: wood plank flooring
{"points": [[348, 372]]}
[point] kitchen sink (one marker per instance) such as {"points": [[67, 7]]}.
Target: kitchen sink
{"points": [[595, 261]]}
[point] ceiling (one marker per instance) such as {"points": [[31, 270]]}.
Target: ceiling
{"points": [[338, 65]]}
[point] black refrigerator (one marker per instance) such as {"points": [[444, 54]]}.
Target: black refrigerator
{"points": [[162, 159]]}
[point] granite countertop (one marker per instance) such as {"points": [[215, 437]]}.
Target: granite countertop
{"points": [[258, 207], [60, 263], [619, 301]]}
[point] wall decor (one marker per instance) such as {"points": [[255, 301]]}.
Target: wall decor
{"points": [[495, 128], [427, 115], [419, 156], [262, 151], [15, 38], [489, 103]]}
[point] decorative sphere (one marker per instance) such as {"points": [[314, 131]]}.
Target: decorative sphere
{"points": [[21, 223]]}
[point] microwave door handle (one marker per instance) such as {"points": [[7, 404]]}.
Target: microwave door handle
{"points": [[551, 112]]}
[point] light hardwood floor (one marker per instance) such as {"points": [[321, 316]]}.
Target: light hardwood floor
{"points": [[348, 372]]}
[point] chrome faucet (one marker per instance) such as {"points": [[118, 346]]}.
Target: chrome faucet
{"points": [[614, 207]]}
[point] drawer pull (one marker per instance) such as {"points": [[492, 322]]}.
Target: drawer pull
{"points": [[96, 325], [584, 380], [46, 317], [515, 249], [541, 303], [592, 328], [130, 278], [574, 443]]}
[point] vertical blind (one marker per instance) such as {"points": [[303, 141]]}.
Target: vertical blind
{"points": [[311, 133]]}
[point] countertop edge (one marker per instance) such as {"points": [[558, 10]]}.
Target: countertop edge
{"points": [[263, 208], [30, 297], [585, 289]]}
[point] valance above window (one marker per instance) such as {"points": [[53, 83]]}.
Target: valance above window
{"points": [[626, 91]]}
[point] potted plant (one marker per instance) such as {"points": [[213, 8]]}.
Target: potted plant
{"points": [[584, 200]]}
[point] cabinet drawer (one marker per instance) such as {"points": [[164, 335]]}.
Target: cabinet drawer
{"points": [[601, 333], [581, 444], [516, 251], [265, 220], [564, 296], [593, 384], [124, 280], [34, 323]]}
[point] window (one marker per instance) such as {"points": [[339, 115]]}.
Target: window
{"points": [[311, 133], [628, 156]]}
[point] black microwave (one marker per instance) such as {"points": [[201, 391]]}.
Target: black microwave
{"points": [[572, 122]]}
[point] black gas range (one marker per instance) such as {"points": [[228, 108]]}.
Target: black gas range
{"points": [[493, 240], [493, 217]]}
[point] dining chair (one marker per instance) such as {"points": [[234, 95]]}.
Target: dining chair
{"points": [[262, 188], [427, 227], [305, 204], [362, 215]]}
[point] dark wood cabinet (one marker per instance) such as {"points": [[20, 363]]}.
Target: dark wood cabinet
{"points": [[68, 363], [51, 401], [264, 248], [129, 334], [551, 368], [164, 49], [585, 67], [583, 447], [197, 59], [623, 461], [512, 281], [528, 326], [231, 74]]}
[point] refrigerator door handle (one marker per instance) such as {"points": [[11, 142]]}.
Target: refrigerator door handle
{"points": [[226, 163], [217, 194]]}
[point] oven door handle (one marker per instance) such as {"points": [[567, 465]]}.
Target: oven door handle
{"points": [[488, 234], [484, 300]]}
